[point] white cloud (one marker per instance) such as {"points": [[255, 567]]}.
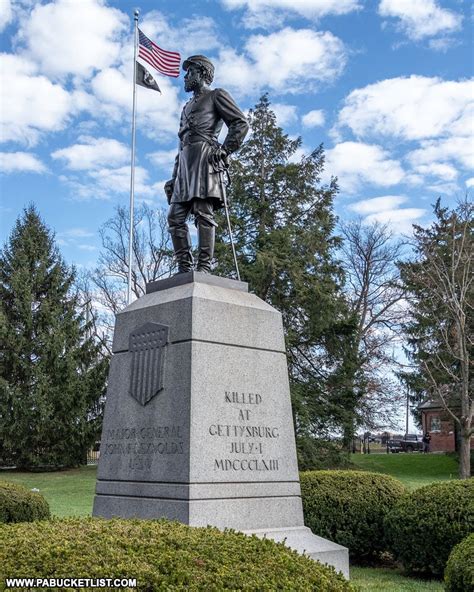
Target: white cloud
{"points": [[76, 233], [310, 9], [93, 153], [386, 210], [433, 152], [158, 189], [285, 114], [377, 204], [437, 114], [420, 18], [399, 220], [190, 36], [83, 101], [286, 61], [164, 159], [11, 162], [157, 115], [356, 163], [442, 44], [104, 183], [411, 108], [313, 118], [119, 179], [77, 238], [6, 13], [437, 169], [470, 182], [31, 103], [108, 181], [72, 237], [75, 38], [299, 153], [446, 188], [112, 89]]}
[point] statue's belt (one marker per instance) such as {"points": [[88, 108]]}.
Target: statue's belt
{"points": [[196, 136]]}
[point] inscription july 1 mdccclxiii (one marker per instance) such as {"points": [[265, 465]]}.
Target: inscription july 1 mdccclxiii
{"points": [[247, 438]]}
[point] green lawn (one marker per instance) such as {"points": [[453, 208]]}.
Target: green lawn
{"points": [[384, 579], [69, 493], [414, 470]]}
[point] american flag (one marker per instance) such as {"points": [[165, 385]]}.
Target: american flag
{"points": [[166, 62]]}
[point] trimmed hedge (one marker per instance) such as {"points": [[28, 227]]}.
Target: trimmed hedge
{"points": [[19, 504], [426, 524], [349, 507], [161, 555], [459, 572]]}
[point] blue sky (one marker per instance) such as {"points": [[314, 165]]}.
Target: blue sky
{"points": [[386, 85]]}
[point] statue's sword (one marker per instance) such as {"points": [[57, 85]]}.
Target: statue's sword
{"points": [[220, 171]]}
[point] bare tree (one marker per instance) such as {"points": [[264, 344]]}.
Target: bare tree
{"points": [[441, 283], [97, 320], [376, 297], [152, 260]]}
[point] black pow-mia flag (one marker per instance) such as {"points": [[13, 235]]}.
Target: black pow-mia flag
{"points": [[144, 78]]}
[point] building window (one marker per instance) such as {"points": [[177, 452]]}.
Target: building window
{"points": [[435, 424]]}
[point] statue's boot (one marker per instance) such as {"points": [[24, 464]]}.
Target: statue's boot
{"points": [[182, 249], [206, 240]]}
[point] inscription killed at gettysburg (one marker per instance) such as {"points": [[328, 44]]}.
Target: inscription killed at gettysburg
{"points": [[245, 439], [147, 348]]}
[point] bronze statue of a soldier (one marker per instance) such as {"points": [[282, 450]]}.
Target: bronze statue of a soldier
{"points": [[197, 185]]}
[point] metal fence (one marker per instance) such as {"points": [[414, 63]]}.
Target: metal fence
{"points": [[93, 457]]}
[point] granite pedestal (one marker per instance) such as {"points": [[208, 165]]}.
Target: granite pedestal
{"points": [[198, 424]]}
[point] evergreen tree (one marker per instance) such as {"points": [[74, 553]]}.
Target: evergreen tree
{"points": [[440, 284], [52, 374], [282, 221]]}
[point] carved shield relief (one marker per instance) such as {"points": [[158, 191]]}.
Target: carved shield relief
{"points": [[147, 346]]}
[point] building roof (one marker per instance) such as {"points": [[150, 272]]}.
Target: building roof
{"points": [[435, 404], [430, 404]]}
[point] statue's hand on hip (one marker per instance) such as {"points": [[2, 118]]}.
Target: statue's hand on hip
{"points": [[218, 158]]}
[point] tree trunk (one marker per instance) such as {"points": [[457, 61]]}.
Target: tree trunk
{"points": [[348, 436], [465, 456]]}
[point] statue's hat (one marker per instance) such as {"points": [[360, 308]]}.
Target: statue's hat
{"points": [[200, 60]]}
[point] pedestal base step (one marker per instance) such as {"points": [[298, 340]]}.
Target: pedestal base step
{"points": [[301, 539]]}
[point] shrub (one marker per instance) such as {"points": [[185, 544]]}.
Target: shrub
{"points": [[161, 555], [459, 572], [349, 507], [18, 504], [426, 524]]}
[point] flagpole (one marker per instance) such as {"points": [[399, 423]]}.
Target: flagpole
{"points": [[132, 171]]}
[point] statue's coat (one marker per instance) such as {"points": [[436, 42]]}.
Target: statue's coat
{"points": [[201, 122]]}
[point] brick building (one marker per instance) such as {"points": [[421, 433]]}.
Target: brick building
{"points": [[441, 426]]}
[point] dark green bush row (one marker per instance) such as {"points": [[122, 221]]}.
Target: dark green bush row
{"points": [[162, 555], [459, 572], [349, 507], [426, 524], [18, 504]]}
